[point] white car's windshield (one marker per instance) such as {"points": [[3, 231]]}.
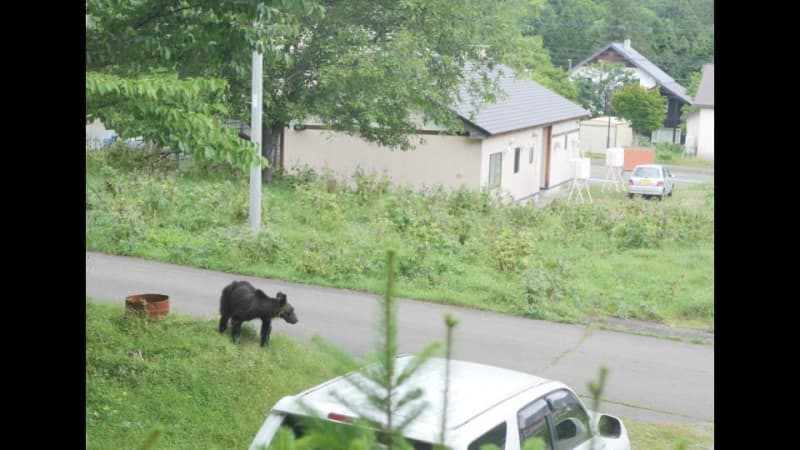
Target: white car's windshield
{"points": [[647, 172]]}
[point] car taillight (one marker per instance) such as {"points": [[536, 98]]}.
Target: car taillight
{"points": [[660, 183], [340, 417]]}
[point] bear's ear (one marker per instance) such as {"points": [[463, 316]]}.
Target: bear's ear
{"points": [[281, 298], [261, 294]]}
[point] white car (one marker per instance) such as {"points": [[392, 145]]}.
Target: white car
{"points": [[486, 405], [651, 180]]}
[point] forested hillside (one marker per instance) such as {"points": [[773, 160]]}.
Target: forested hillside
{"points": [[676, 35]]}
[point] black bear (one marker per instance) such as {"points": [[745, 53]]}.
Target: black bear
{"points": [[240, 302]]}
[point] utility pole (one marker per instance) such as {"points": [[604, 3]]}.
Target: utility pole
{"points": [[606, 95], [255, 137]]}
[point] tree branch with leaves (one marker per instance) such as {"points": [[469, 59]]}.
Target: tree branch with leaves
{"points": [[645, 109], [184, 115]]}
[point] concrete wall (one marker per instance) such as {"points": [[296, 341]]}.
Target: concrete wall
{"points": [[594, 134], [705, 140], [625, 135], [525, 182], [692, 131], [700, 134], [450, 161], [565, 145], [645, 80]]}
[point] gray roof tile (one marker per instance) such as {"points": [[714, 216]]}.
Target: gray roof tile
{"points": [[526, 104], [705, 92]]}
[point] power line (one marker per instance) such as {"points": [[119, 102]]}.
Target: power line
{"points": [[698, 61], [588, 50], [579, 54], [562, 25]]}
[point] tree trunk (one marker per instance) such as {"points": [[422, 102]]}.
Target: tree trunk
{"points": [[270, 147]]}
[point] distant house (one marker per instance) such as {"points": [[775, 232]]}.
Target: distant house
{"points": [[649, 76], [603, 132], [517, 146], [700, 124]]}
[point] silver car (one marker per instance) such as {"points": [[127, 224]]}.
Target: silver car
{"points": [[651, 180]]}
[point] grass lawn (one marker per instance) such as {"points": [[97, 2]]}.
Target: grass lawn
{"points": [[182, 376], [637, 259]]}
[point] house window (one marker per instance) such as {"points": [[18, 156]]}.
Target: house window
{"points": [[495, 169], [516, 159], [530, 154]]}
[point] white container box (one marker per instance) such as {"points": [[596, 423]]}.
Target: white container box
{"points": [[580, 168], [615, 157]]}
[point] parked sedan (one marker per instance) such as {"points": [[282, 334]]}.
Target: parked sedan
{"points": [[651, 180]]}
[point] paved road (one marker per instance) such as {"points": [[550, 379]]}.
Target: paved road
{"points": [[682, 174], [650, 378]]}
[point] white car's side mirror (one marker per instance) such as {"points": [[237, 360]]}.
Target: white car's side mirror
{"points": [[609, 426]]}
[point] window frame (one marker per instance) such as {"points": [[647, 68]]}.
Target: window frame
{"points": [[475, 444], [498, 157], [548, 425], [554, 409]]}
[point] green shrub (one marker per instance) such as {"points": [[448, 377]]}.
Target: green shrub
{"points": [[297, 177], [638, 232], [462, 201], [667, 152], [146, 158], [318, 207], [545, 287], [370, 187], [509, 249]]}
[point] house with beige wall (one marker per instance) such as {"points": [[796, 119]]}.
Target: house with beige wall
{"points": [[700, 123], [649, 76], [516, 147]]}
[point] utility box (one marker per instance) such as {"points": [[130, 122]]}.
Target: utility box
{"points": [[615, 157], [580, 168], [636, 156]]}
